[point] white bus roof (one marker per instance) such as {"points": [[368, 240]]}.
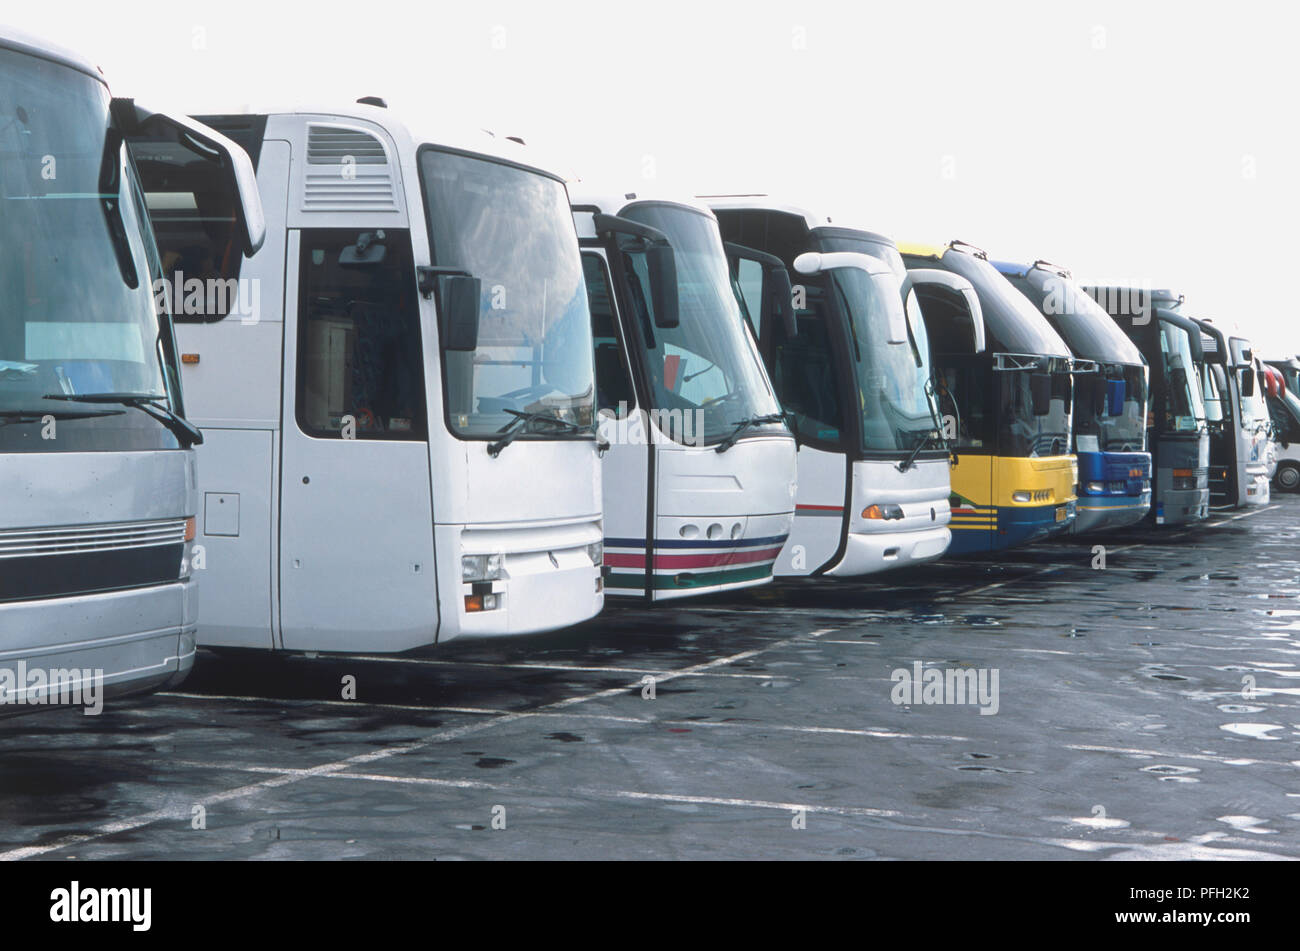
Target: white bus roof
{"points": [[12, 38], [410, 132], [759, 202], [611, 201]]}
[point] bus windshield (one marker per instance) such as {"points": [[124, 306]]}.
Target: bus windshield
{"points": [[1254, 412], [1184, 409], [1111, 409], [707, 363], [1210, 393], [897, 409], [511, 228], [1021, 430], [77, 274]]}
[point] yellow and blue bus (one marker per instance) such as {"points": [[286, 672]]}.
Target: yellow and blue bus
{"points": [[1111, 382], [1007, 411]]}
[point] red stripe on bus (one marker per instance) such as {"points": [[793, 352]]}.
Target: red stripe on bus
{"points": [[619, 560]]}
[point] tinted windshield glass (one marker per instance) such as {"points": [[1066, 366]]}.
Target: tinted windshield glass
{"points": [[892, 378], [1184, 408], [511, 228], [1090, 332], [1285, 412], [1024, 429], [1211, 394], [72, 323], [1111, 409], [1254, 412], [707, 366]]}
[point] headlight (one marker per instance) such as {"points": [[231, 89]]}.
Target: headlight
{"points": [[596, 552], [1096, 487], [1020, 496], [889, 511], [481, 567]]}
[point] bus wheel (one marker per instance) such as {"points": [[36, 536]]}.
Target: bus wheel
{"points": [[1288, 477]]}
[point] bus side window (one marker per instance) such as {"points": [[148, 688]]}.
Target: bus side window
{"points": [[613, 382], [360, 358]]}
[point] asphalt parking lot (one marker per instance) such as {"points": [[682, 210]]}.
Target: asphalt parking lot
{"points": [[1147, 709]]}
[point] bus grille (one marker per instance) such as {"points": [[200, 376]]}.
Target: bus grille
{"points": [[82, 559], [26, 542]]}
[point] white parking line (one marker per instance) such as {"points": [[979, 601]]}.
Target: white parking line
{"points": [[1247, 514], [745, 803], [530, 665], [591, 791], [325, 769], [1165, 754]]}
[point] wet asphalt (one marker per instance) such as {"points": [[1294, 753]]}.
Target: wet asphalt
{"points": [[1147, 709]]}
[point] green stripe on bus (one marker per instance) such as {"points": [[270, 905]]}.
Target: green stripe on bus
{"points": [[693, 579]]}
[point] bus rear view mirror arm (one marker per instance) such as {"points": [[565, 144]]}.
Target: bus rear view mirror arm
{"points": [[660, 262], [937, 277], [815, 262], [142, 125], [778, 292]]}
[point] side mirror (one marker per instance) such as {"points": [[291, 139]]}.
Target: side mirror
{"points": [[153, 130], [937, 277], [780, 299], [1181, 402], [662, 264], [1248, 382], [1116, 393], [815, 262], [458, 297], [777, 293], [1040, 392], [634, 237]]}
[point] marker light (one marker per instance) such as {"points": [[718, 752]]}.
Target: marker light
{"points": [[481, 567], [596, 552], [482, 602], [190, 529], [888, 511]]}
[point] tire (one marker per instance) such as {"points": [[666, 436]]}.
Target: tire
{"points": [[1287, 477]]}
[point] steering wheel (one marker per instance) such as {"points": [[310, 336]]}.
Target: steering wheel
{"points": [[720, 400]]}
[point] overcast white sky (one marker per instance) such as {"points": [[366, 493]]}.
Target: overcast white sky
{"points": [[1145, 142]]}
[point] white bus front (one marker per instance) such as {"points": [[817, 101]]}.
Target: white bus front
{"points": [[873, 468], [699, 476], [399, 403], [97, 474]]}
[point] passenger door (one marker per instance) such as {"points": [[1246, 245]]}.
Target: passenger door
{"points": [[356, 519], [623, 424], [811, 382]]}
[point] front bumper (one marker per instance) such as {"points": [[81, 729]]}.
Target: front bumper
{"points": [[133, 641]]}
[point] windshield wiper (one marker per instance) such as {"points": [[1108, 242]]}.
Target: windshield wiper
{"points": [[10, 416], [929, 437], [512, 430], [745, 424], [916, 451], [147, 403]]}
